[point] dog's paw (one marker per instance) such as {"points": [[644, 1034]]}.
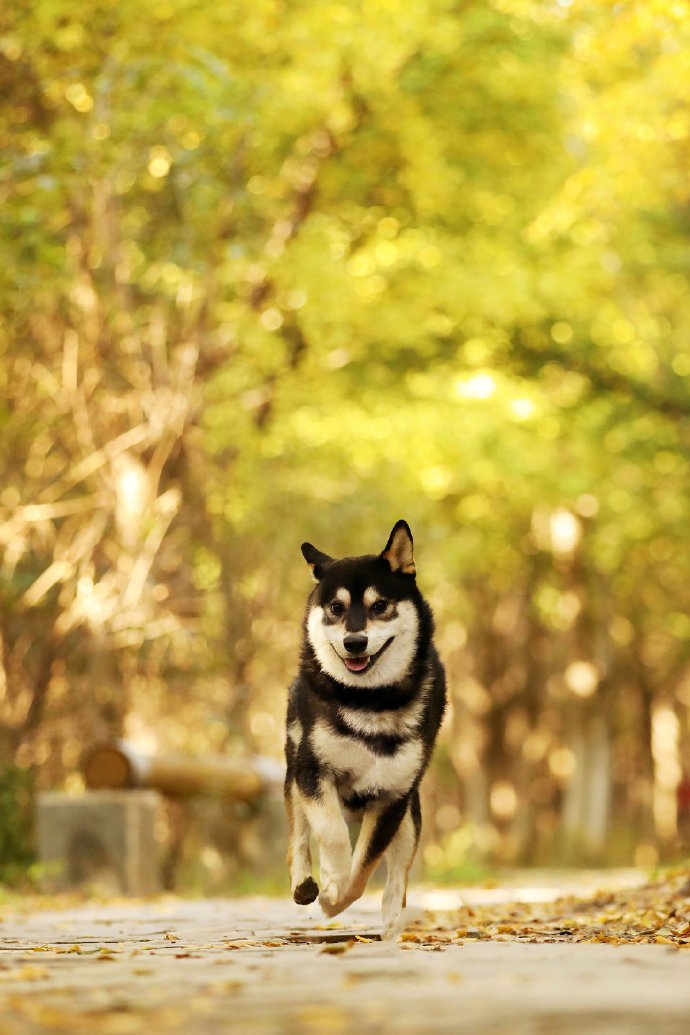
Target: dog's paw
{"points": [[306, 892], [393, 926], [332, 898], [331, 908]]}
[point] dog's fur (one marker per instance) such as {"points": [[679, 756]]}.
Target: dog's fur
{"points": [[362, 719]]}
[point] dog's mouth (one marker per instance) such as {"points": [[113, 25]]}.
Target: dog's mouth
{"points": [[364, 662], [357, 664]]}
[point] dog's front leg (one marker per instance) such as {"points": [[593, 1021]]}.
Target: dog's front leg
{"points": [[302, 884], [328, 826], [380, 824]]}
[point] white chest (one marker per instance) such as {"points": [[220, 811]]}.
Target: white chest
{"points": [[367, 772]]}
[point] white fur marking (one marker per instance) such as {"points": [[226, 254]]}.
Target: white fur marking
{"points": [[294, 732], [397, 723], [390, 668], [367, 772]]}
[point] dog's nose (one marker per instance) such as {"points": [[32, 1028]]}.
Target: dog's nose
{"points": [[355, 644]]}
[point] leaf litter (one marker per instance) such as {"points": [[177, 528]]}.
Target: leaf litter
{"points": [[657, 912]]}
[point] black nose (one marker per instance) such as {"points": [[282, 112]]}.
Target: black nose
{"points": [[355, 644]]}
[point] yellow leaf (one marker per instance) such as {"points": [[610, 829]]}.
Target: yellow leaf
{"points": [[337, 948]]}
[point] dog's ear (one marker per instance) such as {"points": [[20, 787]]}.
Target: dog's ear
{"points": [[398, 551], [317, 561]]}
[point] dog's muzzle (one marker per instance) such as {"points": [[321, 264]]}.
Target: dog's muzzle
{"points": [[357, 660]]}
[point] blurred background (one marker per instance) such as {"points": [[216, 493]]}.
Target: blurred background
{"points": [[274, 271]]}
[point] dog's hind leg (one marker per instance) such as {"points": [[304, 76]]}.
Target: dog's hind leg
{"points": [[303, 886], [399, 858]]}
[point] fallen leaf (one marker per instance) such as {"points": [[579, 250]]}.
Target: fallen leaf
{"points": [[338, 948]]}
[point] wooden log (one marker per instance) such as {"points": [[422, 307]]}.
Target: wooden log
{"points": [[119, 765]]}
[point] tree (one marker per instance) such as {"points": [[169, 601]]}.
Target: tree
{"points": [[295, 272]]}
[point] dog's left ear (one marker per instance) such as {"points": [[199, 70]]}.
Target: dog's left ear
{"points": [[317, 561], [398, 551]]}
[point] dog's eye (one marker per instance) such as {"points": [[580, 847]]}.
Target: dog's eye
{"points": [[379, 606], [337, 608]]}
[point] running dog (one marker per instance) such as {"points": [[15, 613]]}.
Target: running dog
{"points": [[362, 720]]}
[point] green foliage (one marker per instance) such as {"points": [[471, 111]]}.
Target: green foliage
{"points": [[308, 268], [16, 824]]}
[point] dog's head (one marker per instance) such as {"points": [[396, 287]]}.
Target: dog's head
{"points": [[363, 620]]}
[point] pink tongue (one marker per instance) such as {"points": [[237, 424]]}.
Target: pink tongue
{"points": [[356, 664]]}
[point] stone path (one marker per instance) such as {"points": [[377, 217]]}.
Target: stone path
{"points": [[266, 967]]}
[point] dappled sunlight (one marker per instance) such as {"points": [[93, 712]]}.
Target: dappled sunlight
{"points": [[283, 273]]}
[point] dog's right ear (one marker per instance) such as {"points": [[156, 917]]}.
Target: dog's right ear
{"points": [[317, 561]]}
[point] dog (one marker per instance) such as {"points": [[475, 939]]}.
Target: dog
{"points": [[362, 720]]}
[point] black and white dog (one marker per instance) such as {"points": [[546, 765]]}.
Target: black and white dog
{"points": [[362, 719]]}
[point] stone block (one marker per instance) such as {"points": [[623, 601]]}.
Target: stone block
{"points": [[102, 839]]}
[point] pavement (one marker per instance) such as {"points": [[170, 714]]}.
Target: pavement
{"points": [[260, 966]]}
